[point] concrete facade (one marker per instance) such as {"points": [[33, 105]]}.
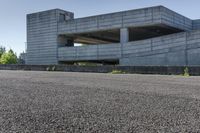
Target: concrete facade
{"points": [[42, 32], [154, 36]]}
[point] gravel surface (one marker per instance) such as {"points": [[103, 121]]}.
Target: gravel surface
{"points": [[89, 102]]}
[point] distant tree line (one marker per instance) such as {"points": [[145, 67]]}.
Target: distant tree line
{"points": [[7, 57]]}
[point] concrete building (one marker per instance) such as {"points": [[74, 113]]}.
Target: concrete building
{"points": [[22, 58], [143, 37]]}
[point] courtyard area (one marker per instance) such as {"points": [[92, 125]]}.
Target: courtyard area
{"points": [[33, 101]]}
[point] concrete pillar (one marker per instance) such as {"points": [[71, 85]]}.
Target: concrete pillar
{"points": [[124, 35]]}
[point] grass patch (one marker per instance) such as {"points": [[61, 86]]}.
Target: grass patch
{"points": [[117, 72], [86, 64]]}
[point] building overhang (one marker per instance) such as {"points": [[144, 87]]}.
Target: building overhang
{"points": [[144, 17]]}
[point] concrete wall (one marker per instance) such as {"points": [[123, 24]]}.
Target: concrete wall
{"points": [[173, 50], [91, 52], [196, 24], [166, 50], [42, 34], [174, 19], [132, 18], [193, 47], [178, 49]]}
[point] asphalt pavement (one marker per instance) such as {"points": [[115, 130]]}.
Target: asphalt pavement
{"points": [[61, 102]]}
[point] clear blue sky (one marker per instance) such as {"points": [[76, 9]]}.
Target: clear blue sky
{"points": [[13, 13]]}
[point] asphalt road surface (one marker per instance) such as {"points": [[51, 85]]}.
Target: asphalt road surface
{"points": [[98, 103]]}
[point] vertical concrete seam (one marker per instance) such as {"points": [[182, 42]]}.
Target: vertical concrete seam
{"points": [[145, 14], [26, 50], [122, 50], [186, 48], [57, 34], [174, 20], [97, 52], [152, 15], [160, 13], [192, 24], [97, 22], [184, 21], [123, 19], [76, 50], [75, 25]]}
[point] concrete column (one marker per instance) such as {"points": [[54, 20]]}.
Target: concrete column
{"points": [[124, 35]]}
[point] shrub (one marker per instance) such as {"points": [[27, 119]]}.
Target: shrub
{"points": [[186, 72], [8, 58], [53, 68], [48, 69]]}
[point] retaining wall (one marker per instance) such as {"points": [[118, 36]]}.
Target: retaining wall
{"points": [[165, 70]]}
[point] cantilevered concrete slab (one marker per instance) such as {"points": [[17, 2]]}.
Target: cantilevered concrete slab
{"points": [[134, 18]]}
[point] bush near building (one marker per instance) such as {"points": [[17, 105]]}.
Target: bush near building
{"points": [[8, 57]]}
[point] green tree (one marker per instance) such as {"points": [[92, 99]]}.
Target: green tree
{"points": [[8, 57], [2, 50]]}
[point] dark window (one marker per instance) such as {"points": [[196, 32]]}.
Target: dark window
{"points": [[62, 17]]}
